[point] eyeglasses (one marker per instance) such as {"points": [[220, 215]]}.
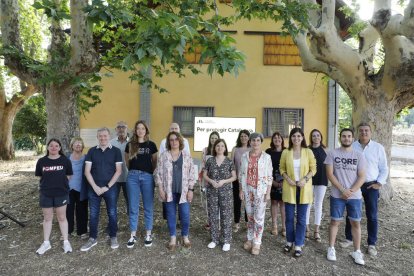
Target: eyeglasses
{"points": [[121, 127]]}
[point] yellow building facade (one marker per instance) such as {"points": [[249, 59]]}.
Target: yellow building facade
{"points": [[275, 95]]}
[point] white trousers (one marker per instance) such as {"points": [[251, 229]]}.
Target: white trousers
{"points": [[318, 195]]}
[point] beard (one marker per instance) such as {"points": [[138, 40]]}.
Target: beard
{"points": [[346, 145]]}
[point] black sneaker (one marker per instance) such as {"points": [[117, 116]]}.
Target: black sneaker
{"points": [[148, 240], [131, 242]]}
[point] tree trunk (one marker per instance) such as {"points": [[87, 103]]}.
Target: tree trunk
{"points": [[378, 111], [6, 139], [62, 114]]}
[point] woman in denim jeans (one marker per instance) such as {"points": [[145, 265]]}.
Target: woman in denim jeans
{"points": [[141, 160], [297, 166], [175, 177]]}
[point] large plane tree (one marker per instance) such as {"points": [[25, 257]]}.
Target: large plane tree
{"points": [[377, 94]]}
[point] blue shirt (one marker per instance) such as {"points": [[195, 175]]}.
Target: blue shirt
{"points": [[75, 183], [103, 163], [377, 166]]}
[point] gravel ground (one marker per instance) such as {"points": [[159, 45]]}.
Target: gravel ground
{"points": [[19, 197]]}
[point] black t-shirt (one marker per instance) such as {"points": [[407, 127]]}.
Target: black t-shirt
{"points": [[143, 160], [275, 155], [53, 175], [320, 177]]}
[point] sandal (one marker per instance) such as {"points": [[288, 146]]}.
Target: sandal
{"points": [[316, 236], [298, 253], [274, 231], [186, 244], [284, 232], [287, 248], [171, 247]]}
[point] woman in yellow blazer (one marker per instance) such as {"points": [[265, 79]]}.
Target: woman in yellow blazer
{"points": [[297, 166]]}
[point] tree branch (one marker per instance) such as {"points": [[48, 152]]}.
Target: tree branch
{"points": [[18, 98], [12, 45], [84, 58], [328, 12], [367, 40]]}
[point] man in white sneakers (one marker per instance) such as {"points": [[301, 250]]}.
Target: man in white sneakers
{"points": [[377, 173], [345, 169]]}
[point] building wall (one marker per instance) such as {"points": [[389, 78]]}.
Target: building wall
{"points": [[255, 88]]}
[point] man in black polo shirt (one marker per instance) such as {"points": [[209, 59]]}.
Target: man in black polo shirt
{"points": [[103, 166]]}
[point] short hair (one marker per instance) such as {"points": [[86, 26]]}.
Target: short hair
{"points": [[293, 131], [254, 135], [180, 140], [361, 124], [238, 141], [76, 139], [102, 129], [226, 152], [121, 123], [272, 146], [346, 129]]}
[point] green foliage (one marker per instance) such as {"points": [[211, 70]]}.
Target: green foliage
{"points": [[31, 31], [137, 36], [30, 123], [344, 110], [405, 117], [283, 11], [58, 10], [88, 96], [351, 11]]}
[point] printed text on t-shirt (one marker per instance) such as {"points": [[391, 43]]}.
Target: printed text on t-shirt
{"points": [[52, 168]]}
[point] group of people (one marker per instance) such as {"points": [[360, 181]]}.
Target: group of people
{"points": [[291, 178]]}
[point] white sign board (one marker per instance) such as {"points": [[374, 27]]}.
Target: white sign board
{"points": [[228, 128]]}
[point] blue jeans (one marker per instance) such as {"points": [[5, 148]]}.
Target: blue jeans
{"points": [[371, 197], [298, 236], [183, 210], [111, 201], [139, 182]]}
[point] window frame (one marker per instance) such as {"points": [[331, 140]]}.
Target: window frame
{"points": [[176, 109], [284, 126]]}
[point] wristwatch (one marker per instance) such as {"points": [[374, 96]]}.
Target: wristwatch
{"points": [[191, 189], [306, 178]]}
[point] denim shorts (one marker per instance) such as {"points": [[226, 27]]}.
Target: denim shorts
{"points": [[353, 208], [52, 201]]}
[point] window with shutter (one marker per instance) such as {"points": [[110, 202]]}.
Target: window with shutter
{"points": [[282, 120]]}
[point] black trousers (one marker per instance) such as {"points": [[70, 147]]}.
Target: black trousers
{"points": [[237, 203], [80, 210]]}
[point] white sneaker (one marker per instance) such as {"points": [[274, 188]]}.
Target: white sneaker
{"points": [[212, 245], [67, 247], [226, 247], [346, 243], [372, 251], [114, 243], [358, 257], [331, 255], [43, 248]]}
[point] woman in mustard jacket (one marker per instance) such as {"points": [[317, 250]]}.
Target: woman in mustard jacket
{"points": [[297, 166]]}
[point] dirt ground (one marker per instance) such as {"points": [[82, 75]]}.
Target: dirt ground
{"points": [[19, 197]]}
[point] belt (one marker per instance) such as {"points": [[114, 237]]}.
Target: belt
{"points": [[371, 182]]}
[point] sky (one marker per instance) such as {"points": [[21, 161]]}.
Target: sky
{"points": [[367, 7]]}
